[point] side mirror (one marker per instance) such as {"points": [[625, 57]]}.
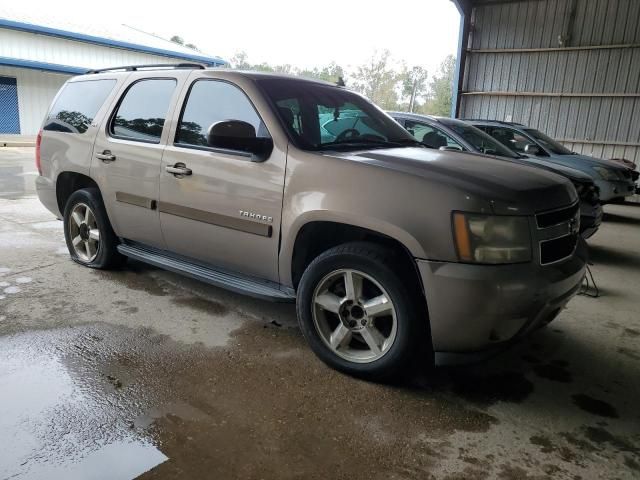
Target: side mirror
{"points": [[239, 136], [531, 149]]}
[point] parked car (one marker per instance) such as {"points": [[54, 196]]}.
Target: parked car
{"points": [[452, 134], [390, 249], [613, 180]]}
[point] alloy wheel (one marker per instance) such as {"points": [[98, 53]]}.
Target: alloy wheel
{"points": [[354, 316], [84, 232]]}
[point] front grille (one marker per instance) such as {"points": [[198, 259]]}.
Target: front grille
{"points": [[556, 217], [557, 249]]}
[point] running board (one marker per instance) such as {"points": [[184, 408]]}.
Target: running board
{"points": [[236, 283]]}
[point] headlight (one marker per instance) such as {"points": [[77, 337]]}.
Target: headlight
{"points": [[491, 238], [606, 173]]}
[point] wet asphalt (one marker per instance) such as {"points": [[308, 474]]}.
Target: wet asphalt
{"points": [[140, 372]]}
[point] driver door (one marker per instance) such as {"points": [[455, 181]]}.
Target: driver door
{"points": [[225, 212]]}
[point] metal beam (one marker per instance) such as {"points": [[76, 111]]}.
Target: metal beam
{"points": [[599, 142], [554, 94], [461, 57], [554, 49]]}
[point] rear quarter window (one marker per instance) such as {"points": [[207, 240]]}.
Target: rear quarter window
{"points": [[77, 105]]}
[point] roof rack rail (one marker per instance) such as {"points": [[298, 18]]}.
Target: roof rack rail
{"points": [[134, 68]]}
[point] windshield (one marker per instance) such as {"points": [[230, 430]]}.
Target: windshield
{"points": [[481, 141], [548, 143], [324, 117]]}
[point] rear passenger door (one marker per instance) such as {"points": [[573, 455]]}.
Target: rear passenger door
{"points": [[128, 152], [226, 211]]}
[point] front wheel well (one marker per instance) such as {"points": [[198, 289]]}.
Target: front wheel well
{"points": [[317, 237], [69, 182]]}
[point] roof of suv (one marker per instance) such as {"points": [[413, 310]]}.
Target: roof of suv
{"points": [[197, 66], [491, 122]]}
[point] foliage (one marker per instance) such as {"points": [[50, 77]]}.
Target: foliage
{"points": [[180, 41], [441, 88], [378, 80], [389, 84], [414, 85]]}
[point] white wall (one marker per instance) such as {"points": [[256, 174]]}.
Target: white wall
{"points": [[45, 48], [36, 89], [35, 92]]}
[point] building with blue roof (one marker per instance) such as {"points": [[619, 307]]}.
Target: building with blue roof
{"points": [[38, 55]]}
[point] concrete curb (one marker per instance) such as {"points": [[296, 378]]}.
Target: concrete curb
{"points": [[18, 141]]}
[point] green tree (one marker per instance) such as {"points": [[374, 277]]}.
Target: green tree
{"points": [[378, 80], [442, 89], [192, 46], [177, 39], [331, 73], [414, 85]]}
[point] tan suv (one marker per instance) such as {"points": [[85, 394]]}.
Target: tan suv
{"points": [[290, 189]]}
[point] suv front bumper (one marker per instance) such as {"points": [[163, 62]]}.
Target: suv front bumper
{"points": [[479, 307]]}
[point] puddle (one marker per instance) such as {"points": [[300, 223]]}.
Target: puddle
{"points": [[79, 396], [23, 280], [12, 290], [56, 422]]}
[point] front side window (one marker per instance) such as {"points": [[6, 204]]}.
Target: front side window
{"points": [[508, 137], [549, 143], [77, 105], [480, 140], [324, 117], [430, 136], [143, 110], [212, 101]]}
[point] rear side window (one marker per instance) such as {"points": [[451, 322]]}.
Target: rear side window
{"points": [[77, 105], [143, 109], [212, 101]]}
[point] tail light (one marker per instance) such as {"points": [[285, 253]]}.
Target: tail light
{"points": [[38, 163]]}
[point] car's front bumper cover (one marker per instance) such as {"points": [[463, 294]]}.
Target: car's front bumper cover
{"points": [[478, 307]]}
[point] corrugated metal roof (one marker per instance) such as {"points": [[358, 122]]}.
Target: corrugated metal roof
{"points": [[111, 35]]}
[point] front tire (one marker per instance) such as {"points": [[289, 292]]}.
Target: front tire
{"points": [[361, 314], [90, 239]]}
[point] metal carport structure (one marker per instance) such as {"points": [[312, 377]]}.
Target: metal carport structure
{"points": [[570, 68]]}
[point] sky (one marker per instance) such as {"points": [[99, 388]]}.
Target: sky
{"points": [[301, 33]]}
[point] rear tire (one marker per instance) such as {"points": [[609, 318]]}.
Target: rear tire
{"points": [[90, 239], [377, 327]]}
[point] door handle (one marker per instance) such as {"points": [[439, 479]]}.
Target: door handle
{"points": [[106, 156], [179, 169]]}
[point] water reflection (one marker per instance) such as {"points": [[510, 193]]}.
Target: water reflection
{"points": [[58, 422], [17, 173]]}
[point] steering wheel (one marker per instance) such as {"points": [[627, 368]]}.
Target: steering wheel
{"points": [[348, 134]]}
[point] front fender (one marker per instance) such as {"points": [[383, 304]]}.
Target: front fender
{"points": [[370, 223]]}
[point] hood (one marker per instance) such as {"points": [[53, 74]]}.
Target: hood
{"points": [[571, 173], [591, 161], [510, 188]]}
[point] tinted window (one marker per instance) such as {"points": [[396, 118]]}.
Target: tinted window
{"points": [[143, 110], [508, 137], [480, 140], [429, 136], [549, 143], [212, 101], [77, 105], [325, 117]]}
